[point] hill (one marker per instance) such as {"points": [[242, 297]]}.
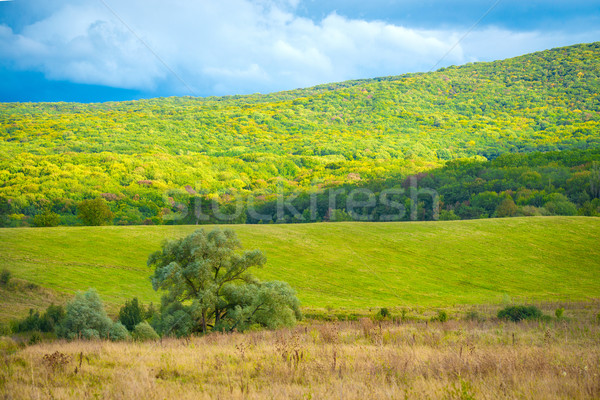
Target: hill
{"points": [[140, 155], [348, 265]]}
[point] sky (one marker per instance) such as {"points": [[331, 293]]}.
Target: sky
{"points": [[108, 50]]}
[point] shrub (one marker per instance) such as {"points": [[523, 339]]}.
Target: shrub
{"points": [[35, 338], [118, 332], [44, 323], [52, 318], [384, 313], [85, 317], [559, 313], [131, 314], [441, 316], [46, 219], [29, 323], [151, 312], [5, 276], [143, 331], [518, 313]]}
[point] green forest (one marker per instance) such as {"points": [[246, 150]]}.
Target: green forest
{"points": [[506, 138]]}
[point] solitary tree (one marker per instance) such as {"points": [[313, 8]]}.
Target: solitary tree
{"points": [[208, 273], [94, 212]]}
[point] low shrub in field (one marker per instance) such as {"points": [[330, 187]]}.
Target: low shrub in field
{"points": [[441, 316], [118, 332], [143, 331], [35, 338], [518, 313], [559, 313], [5, 276]]}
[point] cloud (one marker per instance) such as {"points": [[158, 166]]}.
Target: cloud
{"points": [[232, 46], [81, 44]]}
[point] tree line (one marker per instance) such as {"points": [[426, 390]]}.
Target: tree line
{"points": [[532, 184]]}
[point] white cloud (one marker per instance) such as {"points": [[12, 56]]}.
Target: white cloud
{"points": [[235, 46]]}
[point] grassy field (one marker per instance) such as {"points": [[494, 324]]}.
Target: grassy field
{"points": [[331, 265], [458, 359]]}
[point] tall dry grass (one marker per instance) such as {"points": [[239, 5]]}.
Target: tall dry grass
{"points": [[348, 360]]}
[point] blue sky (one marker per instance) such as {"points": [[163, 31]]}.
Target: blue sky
{"points": [[103, 50]]}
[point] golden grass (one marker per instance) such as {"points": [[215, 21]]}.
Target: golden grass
{"points": [[351, 360]]}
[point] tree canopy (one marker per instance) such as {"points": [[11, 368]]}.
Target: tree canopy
{"points": [[208, 285], [149, 159]]}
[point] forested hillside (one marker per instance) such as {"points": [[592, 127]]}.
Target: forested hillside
{"points": [[150, 158]]}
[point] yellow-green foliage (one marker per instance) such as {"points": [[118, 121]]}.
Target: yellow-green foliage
{"points": [[148, 151]]}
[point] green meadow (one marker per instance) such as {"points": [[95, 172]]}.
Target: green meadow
{"points": [[350, 266]]}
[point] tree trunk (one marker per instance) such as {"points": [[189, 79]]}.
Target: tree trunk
{"points": [[204, 321]]}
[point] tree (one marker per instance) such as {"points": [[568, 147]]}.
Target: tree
{"points": [[208, 272], [94, 212], [559, 204], [507, 208]]}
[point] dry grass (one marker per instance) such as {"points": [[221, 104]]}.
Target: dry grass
{"points": [[350, 360], [19, 296]]}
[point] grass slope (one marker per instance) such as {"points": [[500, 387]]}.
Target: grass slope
{"points": [[342, 265]]}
